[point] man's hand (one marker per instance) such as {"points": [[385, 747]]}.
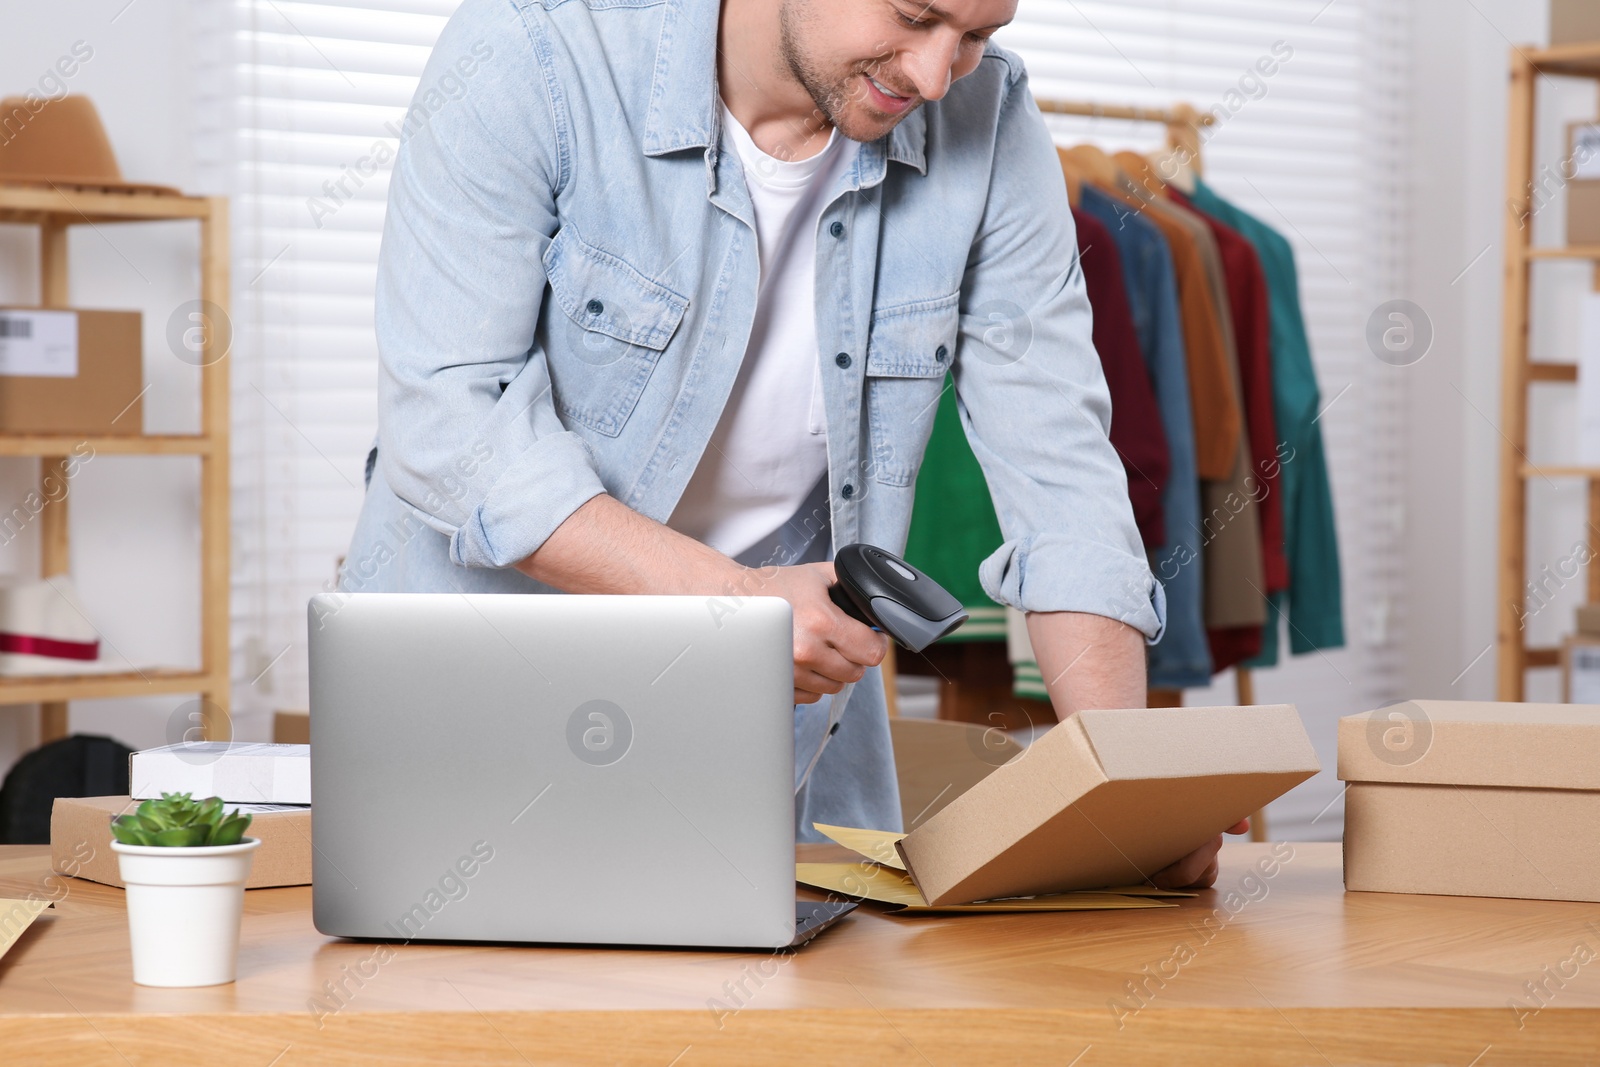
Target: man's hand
{"points": [[830, 648], [607, 547], [1197, 870]]}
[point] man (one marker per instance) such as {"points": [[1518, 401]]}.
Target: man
{"points": [[666, 302]]}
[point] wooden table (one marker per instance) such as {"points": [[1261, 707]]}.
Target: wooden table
{"points": [[1286, 969]]}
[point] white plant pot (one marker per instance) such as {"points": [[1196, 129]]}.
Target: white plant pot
{"points": [[184, 906]]}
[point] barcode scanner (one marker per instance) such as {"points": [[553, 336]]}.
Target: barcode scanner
{"points": [[888, 594]]}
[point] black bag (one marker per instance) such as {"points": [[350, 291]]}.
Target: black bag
{"points": [[82, 765]]}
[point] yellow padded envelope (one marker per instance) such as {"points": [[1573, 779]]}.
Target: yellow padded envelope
{"points": [[869, 881], [15, 917]]}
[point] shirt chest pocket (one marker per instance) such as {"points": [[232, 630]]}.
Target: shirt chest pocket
{"points": [[910, 349], [605, 333]]}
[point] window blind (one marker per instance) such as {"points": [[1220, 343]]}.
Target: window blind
{"points": [[298, 91], [297, 96]]}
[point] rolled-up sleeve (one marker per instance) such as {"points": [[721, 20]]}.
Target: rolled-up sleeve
{"points": [[468, 433], [1033, 399]]}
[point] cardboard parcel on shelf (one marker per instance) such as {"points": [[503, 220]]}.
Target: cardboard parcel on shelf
{"points": [[1101, 802], [71, 371], [1469, 798]]}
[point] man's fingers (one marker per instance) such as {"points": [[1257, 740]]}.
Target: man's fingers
{"points": [[1197, 868], [812, 682], [825, 662], [859, 644], [1240, 827]]}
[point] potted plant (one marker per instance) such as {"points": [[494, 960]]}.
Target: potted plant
{"points": [[185, 862]]}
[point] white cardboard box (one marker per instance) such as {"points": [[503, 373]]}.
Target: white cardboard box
{"points": [[240, 772]]}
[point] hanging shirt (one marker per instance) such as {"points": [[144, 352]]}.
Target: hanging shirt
{"points": [[1136, 430], [1181, 659], [1230, 529], [1214, 398], [1315, 610], [954, 527], [1247, 297], [770, 448]]}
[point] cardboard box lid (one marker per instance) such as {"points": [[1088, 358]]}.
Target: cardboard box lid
{"points": [[1108, 798], [1447, 742]]}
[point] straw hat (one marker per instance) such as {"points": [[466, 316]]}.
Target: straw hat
{"points": [[60, 142]]}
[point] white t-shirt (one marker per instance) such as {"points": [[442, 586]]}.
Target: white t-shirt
{"points": [[770, 447]]}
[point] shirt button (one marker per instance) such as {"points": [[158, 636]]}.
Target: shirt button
{"points": [[594, 307], [940, 353], [848, 491], [842, 359], [837, 229]]}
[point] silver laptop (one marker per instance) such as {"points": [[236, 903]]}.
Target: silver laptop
{"points": [[583, 769]]}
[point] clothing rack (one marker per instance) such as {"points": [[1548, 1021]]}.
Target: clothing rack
{"points": [[1184, 123]]}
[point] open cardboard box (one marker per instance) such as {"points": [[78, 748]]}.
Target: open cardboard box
{"points": [[1105, 799]]}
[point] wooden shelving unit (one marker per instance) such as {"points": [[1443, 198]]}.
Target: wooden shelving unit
{"points": [[54, 210], [1519, 373]]}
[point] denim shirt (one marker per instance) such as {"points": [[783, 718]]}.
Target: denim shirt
{"points": [[568, 279]]}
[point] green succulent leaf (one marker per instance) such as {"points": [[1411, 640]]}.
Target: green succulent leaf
{"points": [[230, 832], [126, 829], [181, 837], [177, 820]]}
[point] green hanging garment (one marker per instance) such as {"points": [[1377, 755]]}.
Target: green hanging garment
{"points": [[947, 552]]}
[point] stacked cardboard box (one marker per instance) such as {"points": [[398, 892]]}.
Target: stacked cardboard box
{"points": [[80, 841], [1472, 799]]}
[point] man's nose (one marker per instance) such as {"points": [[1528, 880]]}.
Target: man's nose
{"points": [[929, 65]]}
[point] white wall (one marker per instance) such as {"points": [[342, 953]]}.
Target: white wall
{"points": [[1460, 78], [133, 519]]}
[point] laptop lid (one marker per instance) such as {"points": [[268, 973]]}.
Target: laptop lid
{"points": [[589, 769]]}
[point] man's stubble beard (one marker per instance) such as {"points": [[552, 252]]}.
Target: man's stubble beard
{"points": [[832, 99]]}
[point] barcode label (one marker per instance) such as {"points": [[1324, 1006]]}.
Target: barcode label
{"points": [[1583, 682], [1585, 161], [39, 344]]}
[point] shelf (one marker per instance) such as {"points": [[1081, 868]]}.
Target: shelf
{"points": [[1542, 657], [1534, 470], [1568, 252], [72, 204], [1552, 372], [176, 444], [40, 688], [55, 208], [1571, 60], [1520, 372]]}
